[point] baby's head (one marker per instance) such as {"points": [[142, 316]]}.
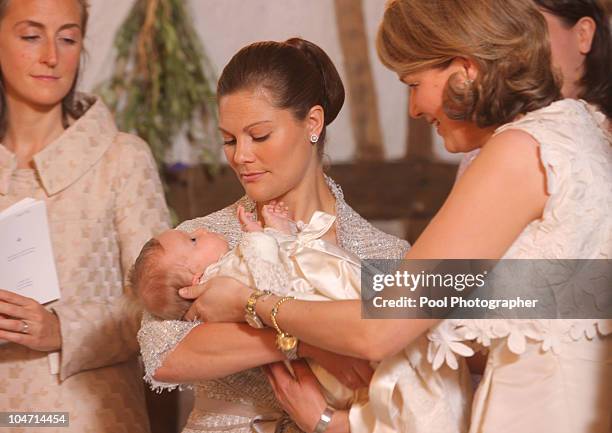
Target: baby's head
{"points": [[170, 261]]}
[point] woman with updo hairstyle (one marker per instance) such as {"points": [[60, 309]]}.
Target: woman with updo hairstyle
{"points": [[294, 73], [540, 189], [275, 102], [75, 356]]}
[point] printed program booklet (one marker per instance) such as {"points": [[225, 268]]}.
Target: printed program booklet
{"points": [[27, 266]]}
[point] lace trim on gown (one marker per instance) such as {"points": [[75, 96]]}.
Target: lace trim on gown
{"points": [[267, 274], [156, 340], [571, 227]]}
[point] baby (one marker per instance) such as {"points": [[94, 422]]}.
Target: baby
{"points": [[271, 258], [287, 258], [176, 259]]}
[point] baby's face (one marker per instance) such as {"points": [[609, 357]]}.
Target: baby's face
{"points": [[197, 250]]}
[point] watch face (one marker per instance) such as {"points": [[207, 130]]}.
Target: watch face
{"points": [[253, 321], [286, 342]]}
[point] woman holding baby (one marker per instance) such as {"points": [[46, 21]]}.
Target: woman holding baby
{"points": [[481, 73], [275, 101], [541, 188]]}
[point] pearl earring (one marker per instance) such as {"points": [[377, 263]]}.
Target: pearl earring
{"points": [[314, 138]]}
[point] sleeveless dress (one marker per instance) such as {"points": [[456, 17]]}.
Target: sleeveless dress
{"points": [[242, 402], [550, 375]]}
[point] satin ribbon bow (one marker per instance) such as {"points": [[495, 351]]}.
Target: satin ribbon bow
{"points": [[332, 272], [319, 224]]}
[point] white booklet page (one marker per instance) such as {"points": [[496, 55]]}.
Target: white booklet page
{"points": [[27, 266]]}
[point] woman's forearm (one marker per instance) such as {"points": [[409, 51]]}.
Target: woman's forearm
{"points": [[214, 350], [339, 422], [337, 326], [491, 204]]}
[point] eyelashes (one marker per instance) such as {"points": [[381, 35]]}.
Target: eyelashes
{"points": [[261, 139], [36, 38]]}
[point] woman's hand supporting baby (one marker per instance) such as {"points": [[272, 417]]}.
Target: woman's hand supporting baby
{"points": [[302, 397], [220, 299], [353, 373]]}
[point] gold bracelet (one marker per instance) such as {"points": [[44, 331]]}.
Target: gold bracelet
{"points": [[275, 312], [250, 315], [287, 343]]}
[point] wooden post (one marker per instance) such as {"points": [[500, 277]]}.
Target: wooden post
{"points": [[360, 90], [419, 142], [419, 148], [377, 190]]}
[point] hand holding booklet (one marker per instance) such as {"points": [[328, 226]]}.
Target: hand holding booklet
{"points": [[27, 266]]}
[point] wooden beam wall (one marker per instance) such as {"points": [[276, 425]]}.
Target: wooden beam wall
{"points": [[377, 190], [419, 147], [360, 90], [419, 140]]}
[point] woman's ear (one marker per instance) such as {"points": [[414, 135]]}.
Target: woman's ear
{"points": [[315, 119], [471, 70], [585, 31], [467, 67]]}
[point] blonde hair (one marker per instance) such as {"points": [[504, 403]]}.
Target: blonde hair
{"points": [[156, 284], [507, 40]]}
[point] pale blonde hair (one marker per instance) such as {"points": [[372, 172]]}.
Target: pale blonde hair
{"points": [[507, 40]]}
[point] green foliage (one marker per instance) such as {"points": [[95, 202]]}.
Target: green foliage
{"points": [[160, 89]]}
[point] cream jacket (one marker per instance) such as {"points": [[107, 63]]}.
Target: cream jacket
{"points": [[104, 200]]}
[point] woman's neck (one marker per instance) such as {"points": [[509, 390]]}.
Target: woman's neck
{"points": [[310, 195], [30, 129], [479, 137]]}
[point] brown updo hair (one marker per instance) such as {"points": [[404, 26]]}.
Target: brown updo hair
{"points": [[70, 105], [297, 73], [507, 40]]}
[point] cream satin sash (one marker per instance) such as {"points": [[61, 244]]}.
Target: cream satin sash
{"points": [[336, 274], [262, 419]]}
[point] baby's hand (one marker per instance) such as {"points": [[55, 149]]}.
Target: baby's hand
{"points": [[248, 221], [276, 216]]}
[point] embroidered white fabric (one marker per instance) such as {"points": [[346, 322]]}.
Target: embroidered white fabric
{"points": [[558, 363]]}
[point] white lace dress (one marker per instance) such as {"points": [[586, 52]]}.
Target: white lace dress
{"points": [[549, 375], [237, 402]]}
